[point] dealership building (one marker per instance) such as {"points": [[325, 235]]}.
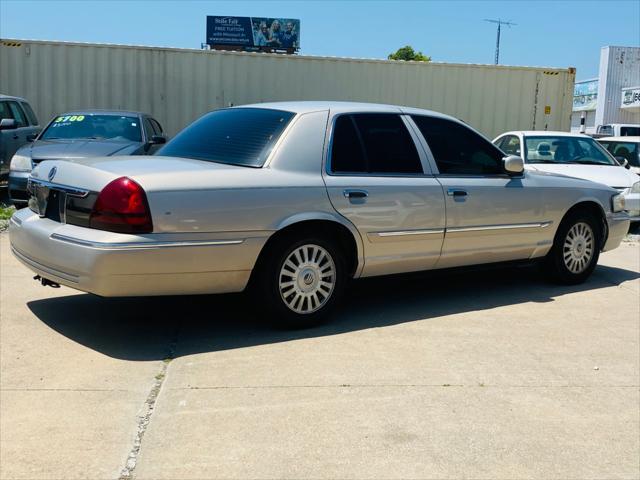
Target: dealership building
{"points": [[613, 97]]}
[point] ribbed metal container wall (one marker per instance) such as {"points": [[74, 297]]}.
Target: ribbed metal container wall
{"points": [[179, 85], [619, 68]]}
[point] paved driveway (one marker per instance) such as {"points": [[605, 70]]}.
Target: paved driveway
{"points": [[476, 375]]}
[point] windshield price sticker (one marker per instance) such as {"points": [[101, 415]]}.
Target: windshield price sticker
{"points": [[66, 120]]}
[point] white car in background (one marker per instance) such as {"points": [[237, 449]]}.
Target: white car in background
{"points": [[573, 155], [627, 148]]}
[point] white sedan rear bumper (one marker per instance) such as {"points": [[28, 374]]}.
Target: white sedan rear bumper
{"points": [[112, 264]]}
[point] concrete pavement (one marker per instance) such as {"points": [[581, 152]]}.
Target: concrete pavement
{"points": [[492, 374]]}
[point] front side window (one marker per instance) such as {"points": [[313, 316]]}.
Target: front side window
{"points": [[33, 120], [510, 145], [156, 126], [234, 136], [373, 143], [628, 150], [148, 128], [94, 127], [550, 149], [457, 149], [18, 114], [5, 112]]}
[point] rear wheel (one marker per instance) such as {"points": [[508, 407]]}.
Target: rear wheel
{"points": [[575, 250], [301, 280]]}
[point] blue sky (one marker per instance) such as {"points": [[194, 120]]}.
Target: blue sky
{"points": [[549, 33]]}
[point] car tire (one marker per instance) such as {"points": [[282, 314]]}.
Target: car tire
{"points": [[300, 280], [576, 249]]}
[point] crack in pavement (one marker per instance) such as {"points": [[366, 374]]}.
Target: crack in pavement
{"points": [[148, 408]]}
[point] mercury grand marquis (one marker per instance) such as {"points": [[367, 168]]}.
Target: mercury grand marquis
{"points": [[292, 200]]}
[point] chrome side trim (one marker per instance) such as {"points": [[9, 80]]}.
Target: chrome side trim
{"points": [[15, 221], [514, 226], [142, 245], [430, 231], [75, 192]]}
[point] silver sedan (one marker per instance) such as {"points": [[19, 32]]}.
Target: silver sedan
{"points": [[292, 200]]}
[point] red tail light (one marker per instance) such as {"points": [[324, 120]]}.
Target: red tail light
{"points": [[122, 207]]}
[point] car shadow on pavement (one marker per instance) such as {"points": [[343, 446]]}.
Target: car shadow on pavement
{"points": [[156, 328]]}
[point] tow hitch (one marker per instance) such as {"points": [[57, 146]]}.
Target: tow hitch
{"points": [[46, 282]]}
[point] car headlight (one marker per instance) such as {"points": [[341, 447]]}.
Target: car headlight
{"points": [[617, 203], [635, 188], [20, 163]]}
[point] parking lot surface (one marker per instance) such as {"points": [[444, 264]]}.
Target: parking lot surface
{"points": [[487, 374]]}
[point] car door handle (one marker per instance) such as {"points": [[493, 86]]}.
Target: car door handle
{"points": [[456, 192], [355, 193], [16, 137]]}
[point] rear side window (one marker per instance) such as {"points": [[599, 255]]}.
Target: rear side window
{"points": [[33, 120], [347, 155], [629, 131], [373, 143], [235, 136], [458, 150]]}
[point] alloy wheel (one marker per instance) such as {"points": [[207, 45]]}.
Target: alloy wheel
{"points": [[307, 279], [578, 248]]}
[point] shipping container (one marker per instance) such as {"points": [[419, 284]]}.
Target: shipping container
{"points": [[178, 85]]}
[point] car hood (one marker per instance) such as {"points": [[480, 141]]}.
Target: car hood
{"points": [[610, 175], [67, 149]]}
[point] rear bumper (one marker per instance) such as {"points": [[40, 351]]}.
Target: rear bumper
{"points": [[115, 265], [18, 187], [618, 226]]}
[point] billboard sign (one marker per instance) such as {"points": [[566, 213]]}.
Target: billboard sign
{"points": [[585, 95], [630, 98], [254, 32]]}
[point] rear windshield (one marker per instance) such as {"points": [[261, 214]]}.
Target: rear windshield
{"points": [[95, 127], [235, 136]]}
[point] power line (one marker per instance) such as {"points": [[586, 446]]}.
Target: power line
{"points": [[500, 23]]}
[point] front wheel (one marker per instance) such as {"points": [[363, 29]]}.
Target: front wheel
{"points": [[301, 281], [575, 250]]}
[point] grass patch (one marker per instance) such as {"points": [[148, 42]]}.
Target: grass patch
{"points": [[6, 212]]}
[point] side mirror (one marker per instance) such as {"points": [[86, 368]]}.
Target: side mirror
{"points": [[158, 140], [624, 162], [31, 137], [8, 124], [513, 165]]}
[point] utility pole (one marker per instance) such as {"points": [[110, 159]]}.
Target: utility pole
{"points": [[500, 23]]}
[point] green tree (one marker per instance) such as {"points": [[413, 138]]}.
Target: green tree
{"points": [[408, 53]]}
